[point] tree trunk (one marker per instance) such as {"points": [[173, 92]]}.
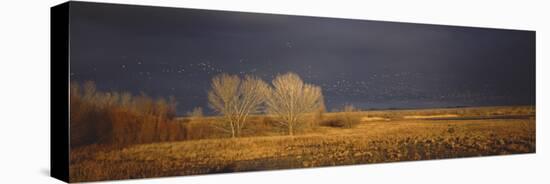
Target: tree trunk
{"points": [[290, 129], [232, 131]]}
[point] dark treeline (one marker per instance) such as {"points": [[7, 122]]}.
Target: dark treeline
{"points": [[120, 118]]}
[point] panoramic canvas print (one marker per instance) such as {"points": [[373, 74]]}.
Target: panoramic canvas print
{"points": [[158, 91]]}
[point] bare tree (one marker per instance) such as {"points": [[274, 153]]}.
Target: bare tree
{"points": [[290, 99], [172, 105], [349, 117], [195, 113], [235, 99]]}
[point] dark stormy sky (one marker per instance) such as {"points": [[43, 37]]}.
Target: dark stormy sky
{"points": [[170, 51]]}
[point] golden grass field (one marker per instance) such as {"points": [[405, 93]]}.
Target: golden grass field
{"points": [[381, 136]]}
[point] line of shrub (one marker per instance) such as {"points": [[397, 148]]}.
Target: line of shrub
{"points": [[120, 118]]}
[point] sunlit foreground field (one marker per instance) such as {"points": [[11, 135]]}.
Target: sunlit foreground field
{"points": [[380, 136]]}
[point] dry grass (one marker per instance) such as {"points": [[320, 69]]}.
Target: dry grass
{"points": [[431, 116], [496, 131]]}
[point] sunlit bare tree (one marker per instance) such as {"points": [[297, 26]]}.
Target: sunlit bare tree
{"points": [[348, 116], [195, 113], [290, 99], [235, 99]]}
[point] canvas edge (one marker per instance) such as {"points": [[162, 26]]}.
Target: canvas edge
{"points": [[59, 91]]}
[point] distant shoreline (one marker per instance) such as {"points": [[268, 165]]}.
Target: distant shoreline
{"points": [[445, 107], [402, 109]]}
